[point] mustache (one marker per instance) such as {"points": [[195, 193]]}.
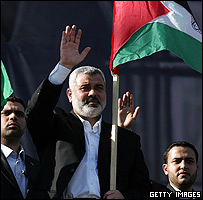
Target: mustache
{"points": [[89, 99], [183, 172]]}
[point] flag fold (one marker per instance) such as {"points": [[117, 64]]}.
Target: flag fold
{"points": [[141, 28]]}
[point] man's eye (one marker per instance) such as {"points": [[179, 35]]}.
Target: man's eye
{"points": [[99, 88], [19, 114], [85, 88], [177, 161], [190, 161], [6, 113]]}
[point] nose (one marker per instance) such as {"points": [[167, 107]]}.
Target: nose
{"points": [[12, 116], [183, 164], [92, 92]]}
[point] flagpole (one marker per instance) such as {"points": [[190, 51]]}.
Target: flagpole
{"points": [[114, 131]]}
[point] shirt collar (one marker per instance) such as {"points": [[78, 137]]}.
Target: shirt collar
{"points": [[175, 188], [10, 152], [96, 128]]}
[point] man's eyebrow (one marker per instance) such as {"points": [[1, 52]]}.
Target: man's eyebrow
{"points": [[183, 158], [6, 110], [189, 158], [99, 84], [179, 158], [11, 110], [85, 84]]}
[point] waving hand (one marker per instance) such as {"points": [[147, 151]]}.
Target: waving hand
{"points": [[69, 50]]}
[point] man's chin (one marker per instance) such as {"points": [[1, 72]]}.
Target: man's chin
{"points": [[13, 134], [184, 181]]}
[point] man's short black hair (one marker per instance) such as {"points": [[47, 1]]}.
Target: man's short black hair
{"points": [[16, 99], [182, 144]]}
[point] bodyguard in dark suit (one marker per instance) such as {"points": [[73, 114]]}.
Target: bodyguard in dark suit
{"points": [[18, 170], [181, 167], [75, 148], [9, 185]]}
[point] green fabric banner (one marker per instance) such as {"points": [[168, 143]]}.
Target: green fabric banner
{"points": [[6, 89]]}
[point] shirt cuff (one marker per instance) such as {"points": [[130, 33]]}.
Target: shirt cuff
{"points": [[58, 74]]}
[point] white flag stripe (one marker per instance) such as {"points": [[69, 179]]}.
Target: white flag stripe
{"points": [[180, 19]]}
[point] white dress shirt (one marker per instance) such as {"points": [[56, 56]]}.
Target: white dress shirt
{"points": [[58, 74], [85, 181], [176, 189], [17, 164]]}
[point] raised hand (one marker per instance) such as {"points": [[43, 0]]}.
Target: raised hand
{"points": [[69, 54], [126, 113]]}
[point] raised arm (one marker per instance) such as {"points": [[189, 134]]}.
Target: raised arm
{"points": [[39, 113], [69, 50], [126, 113]]}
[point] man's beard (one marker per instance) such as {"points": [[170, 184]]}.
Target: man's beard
{"points": [[85, 110], [10, 134], [190, 181]]}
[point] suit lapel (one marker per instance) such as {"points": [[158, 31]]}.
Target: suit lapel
{"points": [[31, 169], [105, 141], [7, 172], [171, 188], [77, 126], [74, 122]]}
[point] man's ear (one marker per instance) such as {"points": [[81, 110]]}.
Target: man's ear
{"points": [[165, 169], [197, 167], [69, 94]]}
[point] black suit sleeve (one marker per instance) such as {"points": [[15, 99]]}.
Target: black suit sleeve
{"points": [[138, 182], [39, 113]]}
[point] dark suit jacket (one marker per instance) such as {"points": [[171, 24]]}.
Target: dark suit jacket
{"points": [[60, 142], [158, 187], [9, 185], [172, 190]]}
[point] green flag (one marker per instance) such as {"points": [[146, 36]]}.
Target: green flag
{"points": [[6, 89]]}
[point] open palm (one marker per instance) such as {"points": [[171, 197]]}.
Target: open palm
{"points": [[126, 113], [69, 50]]}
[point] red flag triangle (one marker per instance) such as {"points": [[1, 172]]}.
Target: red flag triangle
{"points": [[128, 17]]}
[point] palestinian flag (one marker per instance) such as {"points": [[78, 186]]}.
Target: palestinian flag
{"points": [[6, 89], [141, 28]]}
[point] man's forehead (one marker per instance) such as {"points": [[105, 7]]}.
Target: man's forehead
{"points": [[87, 78], [179, 151], [13, 106]]}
